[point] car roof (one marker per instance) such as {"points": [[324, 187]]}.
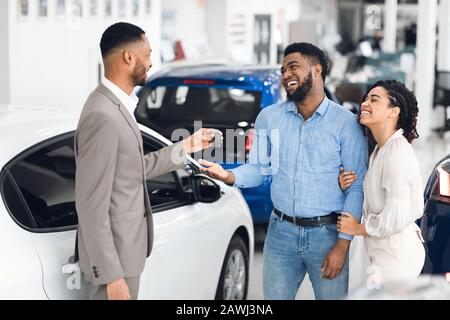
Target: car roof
{"points": [[21, 127], [221, 71]]}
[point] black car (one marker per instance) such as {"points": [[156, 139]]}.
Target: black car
{"points": [[435, 224]]}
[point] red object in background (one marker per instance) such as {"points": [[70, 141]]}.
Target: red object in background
{"points": [[249, 140], [179, 52], [196, 81]]}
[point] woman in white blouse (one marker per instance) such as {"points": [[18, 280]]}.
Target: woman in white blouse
{"points": [[393, 198]]}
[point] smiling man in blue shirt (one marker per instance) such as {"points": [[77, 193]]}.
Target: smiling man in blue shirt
{"points": [[302, 143]]}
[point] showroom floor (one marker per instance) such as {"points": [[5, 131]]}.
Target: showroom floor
{"points": [[428, 152]]}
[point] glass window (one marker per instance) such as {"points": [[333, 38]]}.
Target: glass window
{"points": [[76, 9], [108, 8], [41, 193], [165, 189], [155, 98], [15, 204], [42, 8], [168, 105], [46, 180], [122, 8], [93, 8], [136, 8], [60, 8]]}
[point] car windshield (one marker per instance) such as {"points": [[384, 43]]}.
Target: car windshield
{"points": [[169, 105]]}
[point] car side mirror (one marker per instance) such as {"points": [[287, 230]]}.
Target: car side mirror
{"points": [[206, 189]]}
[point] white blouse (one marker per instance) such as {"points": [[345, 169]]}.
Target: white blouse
{"points": [[393, 193]]}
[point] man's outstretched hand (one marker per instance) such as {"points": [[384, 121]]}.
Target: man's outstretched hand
{"points": [[216, 171], [202, 139]]}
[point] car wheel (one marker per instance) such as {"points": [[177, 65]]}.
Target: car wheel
{"points": [[233, 282]]}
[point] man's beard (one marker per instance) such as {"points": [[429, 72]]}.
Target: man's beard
{"points": [[302, 91], [139, 74]]}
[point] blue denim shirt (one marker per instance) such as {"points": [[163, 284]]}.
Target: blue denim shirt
{"points": [[304, 157]]}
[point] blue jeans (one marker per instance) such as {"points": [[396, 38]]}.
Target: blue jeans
{"points": [[291, 251]]}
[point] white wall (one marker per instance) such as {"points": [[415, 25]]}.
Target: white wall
{"points": [[216, 22], [425, 65], [188, 26], [189, 19], [223, 18], [4, 53], [54, 62]]}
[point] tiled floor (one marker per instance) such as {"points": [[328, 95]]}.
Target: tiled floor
{"points": [[428, 152]]}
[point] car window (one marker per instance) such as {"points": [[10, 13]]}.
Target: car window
{"points": [[46, 181], [165, 191], [154, 98], [39, 187], [169, 105], [14, 203]]}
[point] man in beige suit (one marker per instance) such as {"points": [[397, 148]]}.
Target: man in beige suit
{"points": [[115, 234]]}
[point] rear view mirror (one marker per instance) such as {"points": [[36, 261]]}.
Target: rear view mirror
{"points": [[206, 189]]}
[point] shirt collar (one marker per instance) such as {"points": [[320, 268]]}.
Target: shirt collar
{"points": [[129, 101], [321, 110], [397, 134]]}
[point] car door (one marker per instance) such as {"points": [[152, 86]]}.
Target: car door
{"points": [[20, 268], [45, 176], [184, 248], [181, 262]]}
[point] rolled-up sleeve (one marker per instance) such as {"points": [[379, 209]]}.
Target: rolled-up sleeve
{"points": [[258, 166]]}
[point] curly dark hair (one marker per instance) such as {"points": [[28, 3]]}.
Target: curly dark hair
{"points": [[401, 97]]}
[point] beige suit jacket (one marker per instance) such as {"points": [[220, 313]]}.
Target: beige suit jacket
{"points": [[115, 233]]}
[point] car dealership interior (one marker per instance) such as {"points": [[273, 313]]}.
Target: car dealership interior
{"points": [[216, 64]]}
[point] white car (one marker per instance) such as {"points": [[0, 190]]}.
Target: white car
{"points": [[204, 238]]}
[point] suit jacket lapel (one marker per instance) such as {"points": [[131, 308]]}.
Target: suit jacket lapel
{"points": [[105, 91]]}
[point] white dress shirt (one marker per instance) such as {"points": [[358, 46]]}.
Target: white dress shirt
{"points": [[129, 101]]}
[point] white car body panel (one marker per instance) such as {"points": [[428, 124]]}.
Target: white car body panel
{"points": [[190, 241], [20, 267]]}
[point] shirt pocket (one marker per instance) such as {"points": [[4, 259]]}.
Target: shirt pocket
{"points": [[131, 215]]}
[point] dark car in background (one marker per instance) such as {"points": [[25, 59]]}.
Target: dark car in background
{"points": [[435, 224], [222, 96]]}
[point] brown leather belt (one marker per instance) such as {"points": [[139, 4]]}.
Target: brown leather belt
{"points": [[331, 218]]}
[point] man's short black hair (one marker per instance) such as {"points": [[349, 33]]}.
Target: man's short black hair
{"points": [[309, 50], [119, 34]]}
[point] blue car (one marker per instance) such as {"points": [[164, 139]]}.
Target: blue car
{"points": [[222, 96], [435, 224]]}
